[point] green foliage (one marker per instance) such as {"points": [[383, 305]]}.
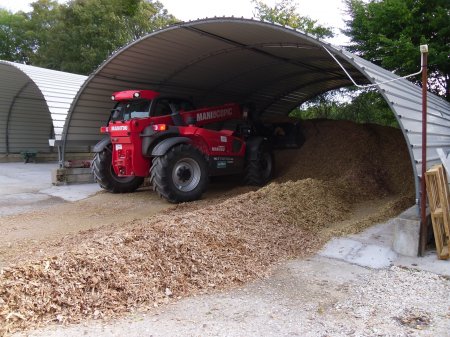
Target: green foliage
{"points": [[45, 15], [285, 13], [14, 37], [79, 35], [366, 107], [88, 31], [389, 32]]}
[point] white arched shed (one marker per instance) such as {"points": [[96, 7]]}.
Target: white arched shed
{"points": [[34, 103], [227, 59]]}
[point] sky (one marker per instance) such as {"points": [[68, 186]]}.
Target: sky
{"points": [[326, 12]]}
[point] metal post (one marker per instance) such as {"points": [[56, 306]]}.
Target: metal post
{"points": [[423, 194]]}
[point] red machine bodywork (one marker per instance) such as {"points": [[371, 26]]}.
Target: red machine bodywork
{"points": [[133, 94], [127, 136]]}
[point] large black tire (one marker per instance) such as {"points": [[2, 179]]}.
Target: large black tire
{"points": [[180, 175], [106, 177], [259, 171]]}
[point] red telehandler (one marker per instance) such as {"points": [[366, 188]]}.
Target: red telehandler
{"points": [[178, 146]]}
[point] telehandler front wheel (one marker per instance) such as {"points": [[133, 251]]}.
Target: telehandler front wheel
{"points": [[180, 175], [106, 177]]}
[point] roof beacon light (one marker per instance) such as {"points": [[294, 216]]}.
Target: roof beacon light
{"points": [[137, 95], [113, 97]]}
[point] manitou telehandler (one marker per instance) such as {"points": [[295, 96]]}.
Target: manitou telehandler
{"points": [[178, 146]]}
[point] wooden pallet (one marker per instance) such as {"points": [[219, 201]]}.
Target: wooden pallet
{"points": [[438, 200]]}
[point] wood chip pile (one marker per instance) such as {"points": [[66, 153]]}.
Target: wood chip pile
{"points": [[369, 160], [144, 264]]}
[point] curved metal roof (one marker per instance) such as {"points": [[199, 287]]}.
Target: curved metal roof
{"points": [[214, 61], [405, 100], [34, 103]]}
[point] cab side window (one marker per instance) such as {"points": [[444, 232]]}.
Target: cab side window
{"points": [[183, 105], [162, 108]]}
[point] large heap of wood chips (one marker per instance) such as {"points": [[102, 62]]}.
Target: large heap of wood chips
{"points": [[370, 160], [143, 264]]}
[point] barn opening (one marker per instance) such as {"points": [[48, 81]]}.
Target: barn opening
{"points": [[276, 68]]}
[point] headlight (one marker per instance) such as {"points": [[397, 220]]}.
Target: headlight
{"points": [[136, 95], [113, 97]]}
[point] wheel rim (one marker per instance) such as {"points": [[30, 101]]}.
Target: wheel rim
{"points": [[186, 174]]}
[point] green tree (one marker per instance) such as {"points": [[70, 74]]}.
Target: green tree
{"points": [[323, 106], [364, 107], [14, 40], [40, 23], [88, 31], [22, 34], [389, 32], [368, 107], [285, 13]]}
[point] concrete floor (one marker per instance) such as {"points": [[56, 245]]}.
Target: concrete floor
{"points": [[27, 186], [373, 249]]}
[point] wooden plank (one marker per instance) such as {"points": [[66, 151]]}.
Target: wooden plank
{"points": [[444, 196], [440, 237], [438, 200]]}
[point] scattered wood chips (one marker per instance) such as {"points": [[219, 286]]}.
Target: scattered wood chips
{"points": [[144, 264]]}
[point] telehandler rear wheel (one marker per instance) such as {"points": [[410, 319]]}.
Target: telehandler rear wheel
{"points": [[180, 175], [106, 177], [259, 171]]}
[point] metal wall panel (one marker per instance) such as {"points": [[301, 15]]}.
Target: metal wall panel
{"points": [[22, 112], [405, 99], [30, 124], [34, 103]]}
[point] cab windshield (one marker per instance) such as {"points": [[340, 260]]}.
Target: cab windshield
{"points": [[127, 110]]}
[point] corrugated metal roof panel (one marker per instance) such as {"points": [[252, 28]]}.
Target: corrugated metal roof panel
{"points": [[405, 99], [33, 104]]}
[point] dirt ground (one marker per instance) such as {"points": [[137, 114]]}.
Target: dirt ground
{"points": [[109, 255], [33, 233]]}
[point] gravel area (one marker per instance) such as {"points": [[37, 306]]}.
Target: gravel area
{"points": [[403, 302]]}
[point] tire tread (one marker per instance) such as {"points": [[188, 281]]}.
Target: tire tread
{"points": [[160, 177], [101, 169]]}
